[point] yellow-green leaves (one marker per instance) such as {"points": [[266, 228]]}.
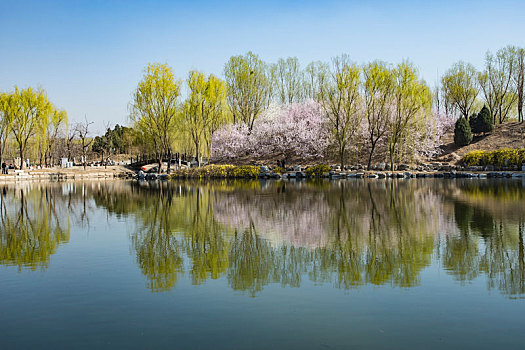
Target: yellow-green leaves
{"points": [[154, 107], [249, 87], [340, 98], [460, 87], [29, 112], [204, 109]]}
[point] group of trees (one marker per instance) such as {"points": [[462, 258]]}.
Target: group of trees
{"points": [[343, 111], [359, 108], [280, 109], [479, 123], [27, 117], [31, 127], [164, 123], [118, 140], [499, 86]]}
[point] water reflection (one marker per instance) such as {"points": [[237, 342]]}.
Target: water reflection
{"points": [[252, 234], [32, 225], [490, 223], [345, 233]]}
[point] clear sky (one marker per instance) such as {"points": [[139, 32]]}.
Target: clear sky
{"points": [[89, 55]]}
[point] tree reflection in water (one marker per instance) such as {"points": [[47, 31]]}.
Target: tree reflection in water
{"points": [[490, 220], [33, 223], [345, 233]]}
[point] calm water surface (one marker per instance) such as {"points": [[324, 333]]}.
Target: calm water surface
{"points": [[358, 264]]}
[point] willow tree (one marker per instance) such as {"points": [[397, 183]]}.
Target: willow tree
{"points": [[5, 121], [411, 97], [249, 87], [29, 109], [340, 100], [195, 114], [379, 86], [216, 107], [49, 131], [154, 107], [460, 87], [204, 110]]}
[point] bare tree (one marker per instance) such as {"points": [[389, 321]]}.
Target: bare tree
{"points": [[288, 80], [519, 79], [82, 130], [497, 84]]}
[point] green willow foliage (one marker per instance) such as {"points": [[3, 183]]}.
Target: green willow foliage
{"points": [[30, 119]]}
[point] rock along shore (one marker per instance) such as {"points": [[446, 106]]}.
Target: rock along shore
{"points": [[67, 174]]}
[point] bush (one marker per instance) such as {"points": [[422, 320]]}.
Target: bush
{"points": [[482, 122], [317, 170], [218, 172], [499, 158], [248, 171], [462, 132]]}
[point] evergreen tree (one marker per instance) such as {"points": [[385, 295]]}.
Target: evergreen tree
{"points": [[483, 122], [474, 123], [462, 132]]}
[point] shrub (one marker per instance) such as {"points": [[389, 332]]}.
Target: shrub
{"points": [[499, 158], [279, 170], [218, 172], [462, 132], [317, 170], [248, 171]]}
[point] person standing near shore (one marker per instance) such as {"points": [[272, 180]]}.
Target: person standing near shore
{"points": [[4, 168]]}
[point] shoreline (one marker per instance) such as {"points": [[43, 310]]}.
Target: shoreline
{"points": [[59, 174], [252, 173]]}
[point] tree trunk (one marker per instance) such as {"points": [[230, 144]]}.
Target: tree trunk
{"points": [[21, 149], [342, 157], [370, 156], [197, 154], [160, 162], [169, 161], [520, 100], [391, 154]]}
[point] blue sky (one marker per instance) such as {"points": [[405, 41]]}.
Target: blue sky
{"points": [[89, 55]]}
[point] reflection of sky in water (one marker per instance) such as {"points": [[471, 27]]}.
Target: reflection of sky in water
{"points": [[452, 250]]}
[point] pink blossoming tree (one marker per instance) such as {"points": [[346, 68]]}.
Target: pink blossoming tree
{"points": [[297, 130]]}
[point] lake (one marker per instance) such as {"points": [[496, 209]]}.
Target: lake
{"points": [[381, 264]]}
